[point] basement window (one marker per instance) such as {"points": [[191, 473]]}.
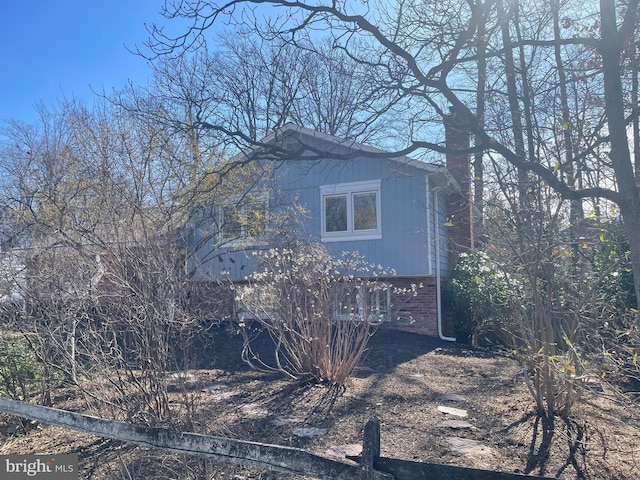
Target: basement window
{"points": [[364, 302]]}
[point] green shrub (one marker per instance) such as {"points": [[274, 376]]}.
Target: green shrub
{"points": [[612, 273], [19, 369], [482, 297]]}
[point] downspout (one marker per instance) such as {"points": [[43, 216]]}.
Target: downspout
{"points": [[441, 336]]}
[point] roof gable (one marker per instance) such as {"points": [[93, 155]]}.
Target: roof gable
{"points": [[295, 140]]}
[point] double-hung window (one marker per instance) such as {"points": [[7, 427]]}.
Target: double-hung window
{"points": [[244, 219], [351, 211]]}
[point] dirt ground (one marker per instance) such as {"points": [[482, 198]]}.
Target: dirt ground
{"points": [[403, 380]]}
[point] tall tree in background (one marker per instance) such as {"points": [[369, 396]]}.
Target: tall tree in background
{"points": [[244, 87], [95, 200], [555, 104]]}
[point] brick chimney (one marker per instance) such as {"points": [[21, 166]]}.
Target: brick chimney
{"points": [[460, 207]]}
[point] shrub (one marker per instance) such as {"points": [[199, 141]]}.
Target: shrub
{"points": [[19, 369], [320, 312], [612, 275], [482, 296], [620, 348]]}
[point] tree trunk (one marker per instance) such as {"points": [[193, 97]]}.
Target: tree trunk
{"points": [[631, 219], [72, 326], [611, 46]]}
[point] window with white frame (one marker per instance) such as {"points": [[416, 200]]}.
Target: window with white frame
{"points": [[364, 302], [351, 211], [254, 302], [244, 219]]}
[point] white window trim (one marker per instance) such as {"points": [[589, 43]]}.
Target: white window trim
{"points": [[363, 307], [349, 189], [244, 239], [261, 313]]}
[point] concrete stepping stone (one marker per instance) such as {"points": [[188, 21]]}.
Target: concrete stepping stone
{"points": [[254, 410], [285, 420], [458, 412], [225, 395], [455, 425], [343, 451], [451, 397], [466, 446], [309, 432]]}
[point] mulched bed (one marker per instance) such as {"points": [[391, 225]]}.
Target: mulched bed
{"points": [[403, 381]]}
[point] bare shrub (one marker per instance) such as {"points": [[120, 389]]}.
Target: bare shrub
{"points": [[143, 331], [95, 210], [57, 288], [320, 312], [555, 376]]}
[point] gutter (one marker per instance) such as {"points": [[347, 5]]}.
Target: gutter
{"points": [[441, 336]]}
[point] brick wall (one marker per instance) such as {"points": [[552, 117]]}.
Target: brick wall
{"points": [[417, 314], [211, 301], [459, 206]]}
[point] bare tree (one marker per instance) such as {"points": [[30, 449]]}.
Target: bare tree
{"points": [[425, 58], [256, 82], [98, 200], [339, 96]]}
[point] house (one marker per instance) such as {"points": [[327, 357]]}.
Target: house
{"points": [[406, 215], [12, 281]]}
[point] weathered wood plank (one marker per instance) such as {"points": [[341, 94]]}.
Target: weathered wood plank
{"points": [[260, 455], [240, 452], [409, 470], [370, 448]]}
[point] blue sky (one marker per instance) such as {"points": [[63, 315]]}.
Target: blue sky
{"points": [[55, 49]]}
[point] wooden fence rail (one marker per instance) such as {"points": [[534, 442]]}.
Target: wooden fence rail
{"points": [[370, 465]]}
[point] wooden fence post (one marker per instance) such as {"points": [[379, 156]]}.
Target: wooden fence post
{"points": [[370, 448]]}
